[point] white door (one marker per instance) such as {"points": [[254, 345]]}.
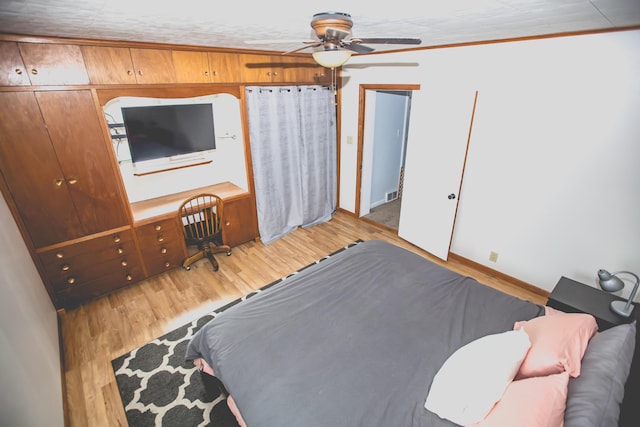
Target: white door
{"points": [[436, 152]]}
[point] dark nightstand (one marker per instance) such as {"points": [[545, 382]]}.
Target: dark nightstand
{"points": [[575, 297]]}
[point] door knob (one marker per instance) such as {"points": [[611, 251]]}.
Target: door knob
{"points": [[451, 196]]}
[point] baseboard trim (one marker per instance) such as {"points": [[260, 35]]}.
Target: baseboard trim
{"points": [[497, 274], [63, 377]]}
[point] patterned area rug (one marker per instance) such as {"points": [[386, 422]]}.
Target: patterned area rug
{"points": [[158, 388]]}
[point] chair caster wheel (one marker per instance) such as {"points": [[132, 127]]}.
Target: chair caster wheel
{"points": [[187, 268], [216, 268], [228, 253]]}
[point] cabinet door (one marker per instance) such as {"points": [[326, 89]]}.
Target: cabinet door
{"points": [[224, 67], [153, 66], [240, 223], [12, 69], [256, 69], [109, 65], [82, 152], [54, 64], [31, 170], [191, 67]]}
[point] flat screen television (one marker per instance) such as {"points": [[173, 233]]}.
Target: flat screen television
{"points": [[168, 131]]}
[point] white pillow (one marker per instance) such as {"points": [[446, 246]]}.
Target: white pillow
{"points": [[475, 377]]}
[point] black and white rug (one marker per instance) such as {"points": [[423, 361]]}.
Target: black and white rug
{"points": [[159, 388]]}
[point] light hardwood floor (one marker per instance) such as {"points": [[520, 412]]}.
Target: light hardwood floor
{"points": [[102, 330]]}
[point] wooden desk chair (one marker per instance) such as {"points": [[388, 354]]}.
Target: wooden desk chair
{"points": [[202, 217]]}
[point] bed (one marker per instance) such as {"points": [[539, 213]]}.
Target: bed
{"points": [[367, 337]]}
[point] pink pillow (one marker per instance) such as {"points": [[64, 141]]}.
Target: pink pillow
{"points": [[558, 343], [532, 402], [548, 311]]}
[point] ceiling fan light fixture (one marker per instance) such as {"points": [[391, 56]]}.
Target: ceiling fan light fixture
{"points": [[331, 58]]}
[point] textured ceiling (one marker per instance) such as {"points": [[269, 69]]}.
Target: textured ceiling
{"points": [[233, 24]]}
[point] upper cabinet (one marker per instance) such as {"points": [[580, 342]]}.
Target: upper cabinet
{"points": [[153, 66], [54, 64], [12, 69], [191, 67], [281, 69], [109, 65], [121, 65]]}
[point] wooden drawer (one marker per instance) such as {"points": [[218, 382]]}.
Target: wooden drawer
{"points": [[162, 244], [86, 254], [70, 296]]}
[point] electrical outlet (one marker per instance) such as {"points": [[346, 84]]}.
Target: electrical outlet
{"points": [[349, 139], [493, 256]]}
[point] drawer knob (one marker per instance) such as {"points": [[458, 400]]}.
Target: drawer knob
{"points": [[163, 250], [116, 239], [65, 267], [120, 250], [161, 238], [167, 264], [158, 227], [227, 223], [59, 255], [123, 263], [71, 280], [129, 277]]}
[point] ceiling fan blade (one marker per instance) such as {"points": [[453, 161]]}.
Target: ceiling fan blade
{"points": [[357, 47], [387, 40], [309, 45]]}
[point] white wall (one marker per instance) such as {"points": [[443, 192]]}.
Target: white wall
{"points": [[552, 181], [30, 361]]}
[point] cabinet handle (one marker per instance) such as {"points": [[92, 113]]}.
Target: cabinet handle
{"points": [[167, 264], [163, 250], [65, 267], [116, 239], [124, 263], [72, 181], [18, 71], [227, 223], [58, 182], [158, 227], [275, 73], [161, 238], [34, 71], [129, 277], [129, 72], [215, 73], [140, 72], [206, 73], [59, 255], [71, 280], [120, 250]]}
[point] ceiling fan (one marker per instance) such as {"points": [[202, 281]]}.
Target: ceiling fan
{"points": [[333, 32]]}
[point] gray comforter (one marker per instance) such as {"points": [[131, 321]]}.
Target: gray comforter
{"points": [[352, 341]]}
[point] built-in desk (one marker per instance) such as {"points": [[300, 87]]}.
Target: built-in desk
{"points": [[159, 231]]}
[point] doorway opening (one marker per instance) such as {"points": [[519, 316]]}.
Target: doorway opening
{"points": [[384, 123]]}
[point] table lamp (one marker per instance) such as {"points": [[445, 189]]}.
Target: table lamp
{"points": [[610, 282]]}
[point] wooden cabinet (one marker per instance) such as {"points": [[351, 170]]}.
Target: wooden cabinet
{"points": [[56, 165], [224, 67], [153, 66], [162, 244], [203, 67], [12, 69], [121, 65], [54, 64], [109, 65], [281, 69], [239, 221], [90, 267]]}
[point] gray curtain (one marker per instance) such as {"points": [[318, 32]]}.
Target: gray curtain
{"points": [[293, 151]]}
